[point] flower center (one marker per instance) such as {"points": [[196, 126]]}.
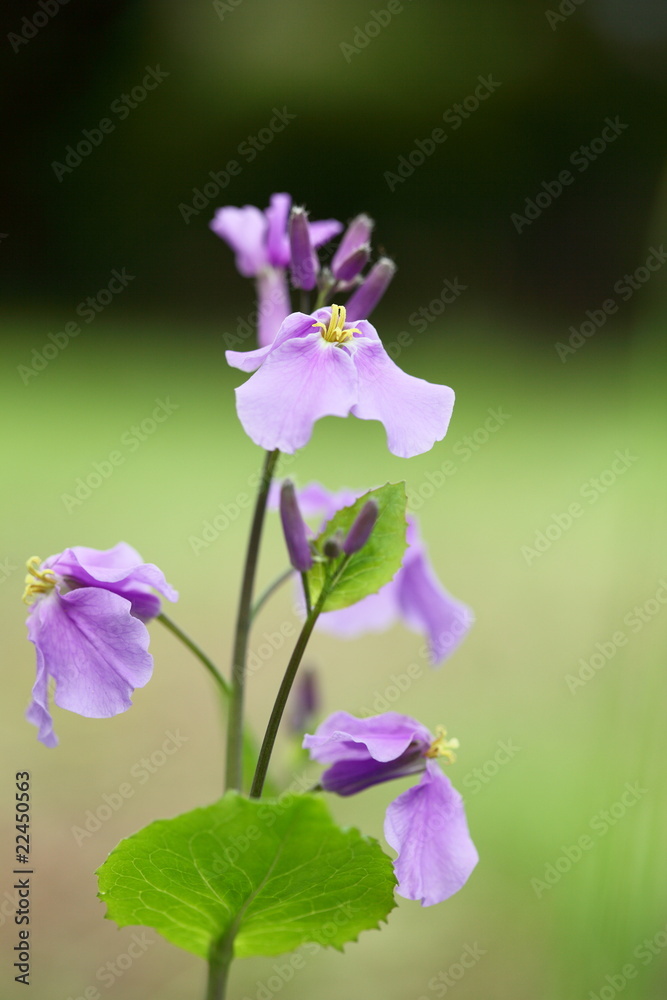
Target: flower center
{"points": [[442, 747], [38, 581], [334, 332]]}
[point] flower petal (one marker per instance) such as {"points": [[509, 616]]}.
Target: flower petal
{"points": [[322, 232], [427, 607], [295, 325], [120, 570], [427, 827], [374, 613], [277, 241], [349, 777], [415, 413], [93, 647], [38, 711], [273, 304], [300, 381], [244, 229], [385, 737]]}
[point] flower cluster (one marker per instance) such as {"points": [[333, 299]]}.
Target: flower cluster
{"points": [[415, 596], [331, 362]]}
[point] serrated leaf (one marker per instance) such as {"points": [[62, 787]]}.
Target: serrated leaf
{"points": [[368, 570], [267, 875]]}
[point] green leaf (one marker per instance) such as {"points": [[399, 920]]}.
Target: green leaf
{"points": [[380, 559], [266, 876]]}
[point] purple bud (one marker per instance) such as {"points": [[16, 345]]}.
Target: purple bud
{"points": [[362, 303], [357, 235], [294, 528], [304, 261], [305, 701], [351, 266], [361, 530]]}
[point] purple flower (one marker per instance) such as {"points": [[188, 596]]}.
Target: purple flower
{"points": [[425, 825], [320, 366], [415, 595], [260, 241], [86, 623]]}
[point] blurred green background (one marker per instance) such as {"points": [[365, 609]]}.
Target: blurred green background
{"points": [[574, 746]]}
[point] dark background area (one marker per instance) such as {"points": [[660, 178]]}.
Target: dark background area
{"points": [[357, 112]]}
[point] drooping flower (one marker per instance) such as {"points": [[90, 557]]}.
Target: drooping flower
{"points": [[87, 625], [415, 596], [261, 243], [320, 366], [426, 825]]}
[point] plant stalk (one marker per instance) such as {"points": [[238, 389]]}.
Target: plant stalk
{"points": [[233, 769]]}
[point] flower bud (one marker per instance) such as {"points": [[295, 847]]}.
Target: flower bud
{"points": [[362, 303], [294, 528], [353, 265], [362, 528], [334, 545], [357, 236], [304, 261], [305, 701]]}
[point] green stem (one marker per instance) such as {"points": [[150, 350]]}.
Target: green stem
{"points": [[269, 592], [233, 771], [201, 656], [286, 686], [306, 593], [323, 294], [218, 968]]}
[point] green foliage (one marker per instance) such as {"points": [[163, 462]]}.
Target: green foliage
{"points": [[264, 876], [376, 563]]}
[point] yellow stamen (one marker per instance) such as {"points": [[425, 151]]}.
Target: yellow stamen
{"points": [[442, 747], [334, 332], [37, 581]]}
